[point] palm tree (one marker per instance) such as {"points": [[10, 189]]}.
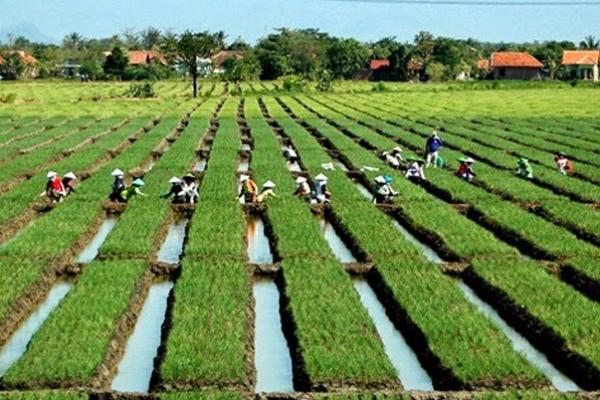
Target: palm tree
{"points": [[589, 43], [74, 41]]}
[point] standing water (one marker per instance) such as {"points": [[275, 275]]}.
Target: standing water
{"points": [[364, 191], [429, 253], [90, 252], [294, 166], [243, 166], [201, 165], [171, 250], [259, 250], [339, 248], [17, 345], [272, 354], [521, 344], [411, 373], [246, 147], [135, 369]]}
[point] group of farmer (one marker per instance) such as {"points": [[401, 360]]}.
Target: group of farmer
{"points": [[184, 190]]}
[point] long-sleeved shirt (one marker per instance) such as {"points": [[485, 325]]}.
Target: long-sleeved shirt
{"points": [[433, 144]]}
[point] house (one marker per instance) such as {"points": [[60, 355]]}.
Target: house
{"points": [[218, 60], [374, 65], [483, 68], [139, 58], [29, 62], [581, 64], [515, 65], [69, 69]]}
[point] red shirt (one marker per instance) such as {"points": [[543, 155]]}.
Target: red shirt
{"points": [[56, 184]]}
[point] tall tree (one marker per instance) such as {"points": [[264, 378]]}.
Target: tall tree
{"points": [[424, 45], [116, 62], [150, 38], [589, 43], [131, 39], [193, 46], [345, 57], [74, 42], [12, 67]]}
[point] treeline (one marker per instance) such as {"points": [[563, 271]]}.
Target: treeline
{"points": [[306, 53]]}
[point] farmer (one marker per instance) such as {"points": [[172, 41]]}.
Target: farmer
{"points": [[321, 194], [465, 170], [118, 185], [266, 191], [134, 190], [190, 189], [67, 183], [290, 155], [432, 148], [524, 169], [384, 192], [394, 158], [415, 171], [302, 188], [248, 190], [176, 191], [564, 165], [55, 190]]}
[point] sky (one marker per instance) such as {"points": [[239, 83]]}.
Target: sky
{"points": [[51, 20]]}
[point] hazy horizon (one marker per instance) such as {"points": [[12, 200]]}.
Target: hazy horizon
{"points": [[51, 20]]}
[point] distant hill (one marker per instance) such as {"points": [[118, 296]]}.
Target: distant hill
{"points": [[27, 30]]}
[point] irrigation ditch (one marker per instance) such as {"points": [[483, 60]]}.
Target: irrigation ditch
{"points": [[553, 264], [70, 265], [576, 367]]}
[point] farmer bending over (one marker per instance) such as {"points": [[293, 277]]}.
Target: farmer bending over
{"points": [[134, 190], [465, 170], [384, 192], [176, 191], [190, 189], [55, 190], [564, 165], [248, 190], [524, 169], [266, 192], [415, 171], [394, 158], [302, 188], [322, 193], [118, 185]]}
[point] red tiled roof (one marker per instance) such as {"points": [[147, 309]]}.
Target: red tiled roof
{"points": [[26, 58], [219, 58], [143, 57], [515, 59], [376, 64], [483, 64], [581, 57]]}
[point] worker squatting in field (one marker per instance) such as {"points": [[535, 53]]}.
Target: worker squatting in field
{"points": [[183, 190], [56, 188]]}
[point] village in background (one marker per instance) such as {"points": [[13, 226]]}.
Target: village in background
{"points": [[306, 53]]}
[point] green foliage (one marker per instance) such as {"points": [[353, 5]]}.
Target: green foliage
{"points": [[346, 57], [192, 46], [324, 81], [8, 98], [380, 87], [294, 83], [435, 71], [115, 63], [12, 67], [141, 90]]}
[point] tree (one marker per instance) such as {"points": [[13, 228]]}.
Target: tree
{"points": [[239, 45], [12, 67], [74, 42], [92, 69], [115, 63], [424, 45], [550, 54], [168, 47], [193, 46], [589, 43], [435, 71], [131, 39], [399, 57], [383, 48], [241, 69], [345, 57], [150, 38]]}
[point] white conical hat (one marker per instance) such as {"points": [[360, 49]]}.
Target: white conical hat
{"points": [[117, 172], [244, 178], [269, 185], [70, 175], [175, 180], [469, 160], [300, 179], [321, 177], [51, 174], [398, 149], [380, 179]]}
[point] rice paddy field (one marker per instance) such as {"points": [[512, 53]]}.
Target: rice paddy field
{"points": [[457, 290]]}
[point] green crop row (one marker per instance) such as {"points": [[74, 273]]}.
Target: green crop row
{"points": [[494, 154], [27, 162], [70, 346], [209, 321], [26, 127], [554, 239], [463, 339], [27, 256], [336, 338], [435, 216], [144, 217], [18, 199], [38, 140]]}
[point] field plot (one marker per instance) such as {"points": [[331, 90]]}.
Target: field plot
{"points": [[455, 290]]}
